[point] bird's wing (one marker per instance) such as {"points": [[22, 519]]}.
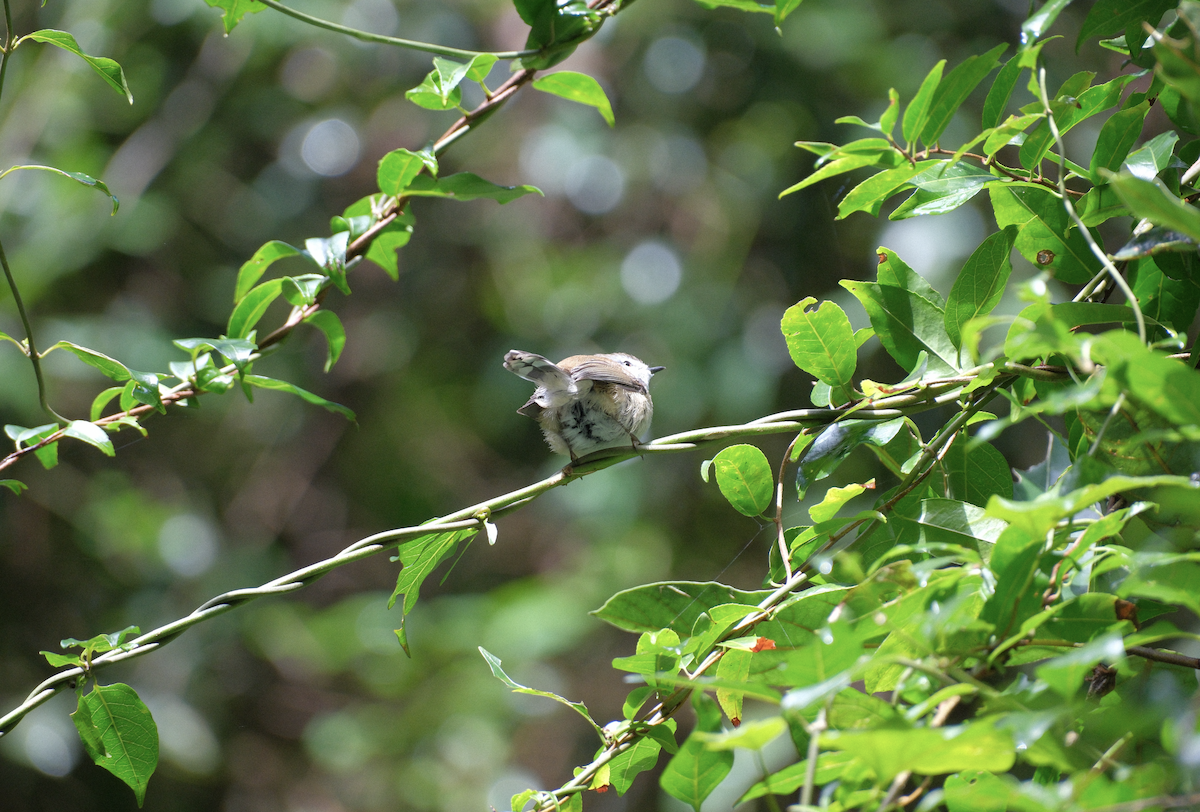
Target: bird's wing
{"points": [[536, 369], [602, 372]]}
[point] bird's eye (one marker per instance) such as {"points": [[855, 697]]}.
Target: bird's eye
{"points": [[626, 363]]}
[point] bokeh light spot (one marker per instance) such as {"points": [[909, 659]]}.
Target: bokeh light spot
{"points": [[674, 64], [651, 273], [330, 148]]}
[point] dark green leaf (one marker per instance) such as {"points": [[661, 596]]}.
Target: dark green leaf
{"points": [[836, 442], [949, 521], [109, 70], [556, 27], [821, 342], [695, 771], [283, 386], [1172, 302], [1169, 387], [980, 283], [1153, 156], [119, 734], [302, 290], [642, 755], [1107, 18], [1065, 674], [745, 478], [328, 323], [577, 87], [975, 473]]}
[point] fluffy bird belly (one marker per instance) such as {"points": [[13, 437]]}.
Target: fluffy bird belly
{"points": [[593, 422]]}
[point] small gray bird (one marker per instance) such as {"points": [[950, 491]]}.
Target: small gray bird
{"points": [[586, 402]]}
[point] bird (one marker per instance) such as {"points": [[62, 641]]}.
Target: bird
{"points": [[586, 402]]}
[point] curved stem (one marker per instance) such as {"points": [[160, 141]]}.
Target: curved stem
{"points": [[1117, 278], [366, 36], [34, 358]]}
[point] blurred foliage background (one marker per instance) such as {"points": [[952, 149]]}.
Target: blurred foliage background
{"points": [[662, 237]]}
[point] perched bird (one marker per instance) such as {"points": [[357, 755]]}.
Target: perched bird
{"points": [[586, 402]]}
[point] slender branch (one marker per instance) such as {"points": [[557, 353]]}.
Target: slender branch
{"points": [[366, 36], [1117, 278], [30, 346]]}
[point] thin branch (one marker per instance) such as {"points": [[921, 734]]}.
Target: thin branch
{"points": [[30, 346], [366, 36], [1117, 278]]}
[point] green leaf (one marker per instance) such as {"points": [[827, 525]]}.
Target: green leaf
{"points": [[398, 168], [467, 186], [283, 386], [328, 323], [917, 113], [975, 472], [695, 771], [111, 367], [949, 521], [234, 10], [872, 193], [418, 558], [577, 87], [119, 734], [642, 755], [102, 400], [1168, 386], [1000, 92], [894, 271], [927, 751], [877, 152], [1046, 238], [954, 89], [745, 478], [821, 342], [836, 442], [109, 70], [1065, 674], [1107, 18], [494, 663], [383, 248], [330, 254], [980, 284], [1033, 28], [1172, 302], [1153, 156], [835, 499], [1116, 139], [252, 308], [1153, 201], [78, 177], [556, 27], [14, 485], [237, 351], [907, 325], [91, 434], [253, 269], [670, 605], [302, 290], [1069, 113], [440, 89], [733, 667]]}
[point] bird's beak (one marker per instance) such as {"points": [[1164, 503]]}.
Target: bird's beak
{"points": [[656, 369]]}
